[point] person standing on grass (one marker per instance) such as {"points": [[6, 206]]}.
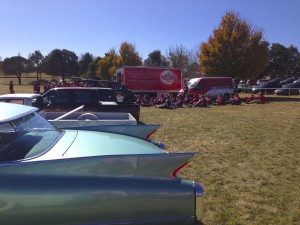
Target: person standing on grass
{"points": [[11, 87]]}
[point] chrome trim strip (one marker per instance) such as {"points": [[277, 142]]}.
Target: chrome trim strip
{"points": [[150, 221], [158, 144]]}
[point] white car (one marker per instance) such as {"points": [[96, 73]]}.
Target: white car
{"points": [[35, 100]]}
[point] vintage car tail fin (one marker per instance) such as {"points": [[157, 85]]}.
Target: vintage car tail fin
{"points": [[165, 165], [162, 165], [152, 132], [175, 173]]}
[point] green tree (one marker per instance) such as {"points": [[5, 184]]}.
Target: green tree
{"points": [[36, 62], [16, 65], [156, 59], [61, 63], [1, 64], [84, 62], [235, 49], [92, 69], [130, 57], [283, 62]]}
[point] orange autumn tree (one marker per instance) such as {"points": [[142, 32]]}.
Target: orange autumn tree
{"points": [[107, 65], [235, 49], [129, 55]]}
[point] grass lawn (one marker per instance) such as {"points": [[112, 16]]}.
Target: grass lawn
{"points": [[248, 161]]}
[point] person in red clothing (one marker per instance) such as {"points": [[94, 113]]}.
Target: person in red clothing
{"points": [[236, 100], [179, 102], [250, 98], [220, 100], [261, 99], [145, 101], [160, 100], [11, 87], [36, 87], [231, 99], [194, 100], [201, 102], [188, 99], [209, 99]]}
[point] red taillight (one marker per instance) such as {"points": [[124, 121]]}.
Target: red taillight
{"points": [[176, 171], [148, 136]]}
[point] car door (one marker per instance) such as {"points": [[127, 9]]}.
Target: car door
{"points": [[86, 97]]}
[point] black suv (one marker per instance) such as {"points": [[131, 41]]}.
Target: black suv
{"points": [[94, 100]]}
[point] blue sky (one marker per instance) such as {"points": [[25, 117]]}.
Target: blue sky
{"points": [[96, 26]]}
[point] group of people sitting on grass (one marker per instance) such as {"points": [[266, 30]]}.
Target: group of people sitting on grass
{"points": [[172, 102], [261, 99]]}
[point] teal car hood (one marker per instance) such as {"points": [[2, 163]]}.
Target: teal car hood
{"points": [[92, 143]]}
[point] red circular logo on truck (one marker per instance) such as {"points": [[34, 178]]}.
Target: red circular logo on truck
{"points": [[167, 77]]}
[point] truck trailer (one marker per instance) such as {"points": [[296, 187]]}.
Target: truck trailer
{"points": [[153, 81]]}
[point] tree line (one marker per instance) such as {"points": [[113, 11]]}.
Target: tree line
{"points": [[235, 49]]}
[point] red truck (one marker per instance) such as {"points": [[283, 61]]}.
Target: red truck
{"points": [[210, 85], [150, 80]]}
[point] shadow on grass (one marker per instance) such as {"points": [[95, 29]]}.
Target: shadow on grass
{"points": [[283, 99]]}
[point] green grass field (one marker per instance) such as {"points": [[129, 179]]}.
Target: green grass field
{"points": [[248, 161]]}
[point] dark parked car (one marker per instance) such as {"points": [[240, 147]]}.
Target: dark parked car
{"points": [[120, 90], [297, 80], [94, 100], [288, 80], [261, 81], [289, 89], [267, 87], [244, 88], [251, 81]]}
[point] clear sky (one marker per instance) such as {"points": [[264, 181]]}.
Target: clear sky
{"points": [[96, 26]]}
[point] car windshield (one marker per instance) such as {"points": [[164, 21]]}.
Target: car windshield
{"points": [[26, 137], [106, 95], [192, 83]]}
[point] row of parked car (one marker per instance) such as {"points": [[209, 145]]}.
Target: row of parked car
{"points": [[288, 86]]}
